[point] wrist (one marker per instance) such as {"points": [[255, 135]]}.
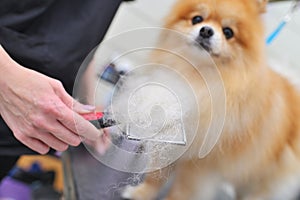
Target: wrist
{"points": [[7, 64], [8, 67]]}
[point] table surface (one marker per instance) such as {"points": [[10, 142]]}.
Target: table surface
{"points": [[87, 178]]}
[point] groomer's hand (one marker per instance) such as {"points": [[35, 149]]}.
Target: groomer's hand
{"points": [[39, 111]]}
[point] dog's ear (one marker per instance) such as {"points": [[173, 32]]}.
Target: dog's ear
{"points": [[261, 5]]}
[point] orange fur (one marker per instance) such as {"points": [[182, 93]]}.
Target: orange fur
{"points": [[259, 149]]}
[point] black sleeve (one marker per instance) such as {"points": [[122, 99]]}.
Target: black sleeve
{"points": [[52, 37]]}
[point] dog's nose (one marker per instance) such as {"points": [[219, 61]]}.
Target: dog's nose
{"points": [[206, 32]]}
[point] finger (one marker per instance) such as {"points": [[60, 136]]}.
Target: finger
{"points": [[35, 145], [75, 122], [103, 143], [82, 109], [69, 101], [64, 134], [52, 141], [85, 129], [49, 123], [30, 142]]}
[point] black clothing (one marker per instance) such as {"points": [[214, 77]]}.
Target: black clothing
{"points": [[52, 37]]}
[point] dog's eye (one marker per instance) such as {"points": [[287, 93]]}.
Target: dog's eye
{"points": [[228, 32], [197, 19]]}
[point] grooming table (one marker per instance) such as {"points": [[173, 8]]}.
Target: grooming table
{"points": [[87, 179]]}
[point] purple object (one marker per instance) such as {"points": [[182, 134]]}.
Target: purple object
{"points": [[14, 189]]}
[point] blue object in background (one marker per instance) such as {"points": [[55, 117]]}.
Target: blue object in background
{"points": [[276, 32], [283, 23]]}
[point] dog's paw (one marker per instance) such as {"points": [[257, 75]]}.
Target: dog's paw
{"points": [[140, 192]]}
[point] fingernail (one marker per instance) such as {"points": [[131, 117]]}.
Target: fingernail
{"points": [[89, 107]]}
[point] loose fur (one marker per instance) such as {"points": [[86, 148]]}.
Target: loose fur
{"points": [[258, 152]]}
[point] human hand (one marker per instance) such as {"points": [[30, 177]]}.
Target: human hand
{"points": [[40, 112]]}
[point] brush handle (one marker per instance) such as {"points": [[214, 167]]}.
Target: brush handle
{"points": [[93, 116], [99, 120]]}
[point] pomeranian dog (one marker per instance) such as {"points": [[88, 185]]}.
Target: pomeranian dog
{"points": [[257, 156]]}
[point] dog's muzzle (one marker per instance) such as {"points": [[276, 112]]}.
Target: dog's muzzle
{"points": [[204, 37]]}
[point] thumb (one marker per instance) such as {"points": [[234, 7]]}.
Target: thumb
{"points": [[68, 99], [82, 108]]}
